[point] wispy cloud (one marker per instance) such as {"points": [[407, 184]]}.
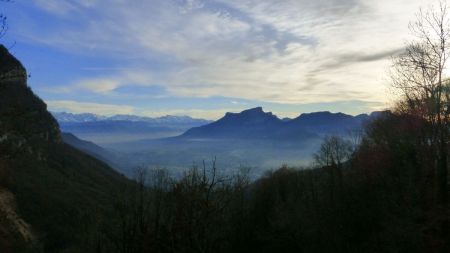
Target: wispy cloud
{"points": [[234, 102], [81, 107], [286, 51], [196, 113], [107, 85], [55, 6]]}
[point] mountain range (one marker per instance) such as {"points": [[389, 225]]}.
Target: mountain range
{"points": [[122, 128], [65, 117], [256, 124], [252, 137], [253, 123]]}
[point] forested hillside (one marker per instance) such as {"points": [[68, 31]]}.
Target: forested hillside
{"points": [[385, 189], [381, 196], [52, 195]]}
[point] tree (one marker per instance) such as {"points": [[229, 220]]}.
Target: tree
{"points": [[419, 75], [333, 151], [3, 25]]}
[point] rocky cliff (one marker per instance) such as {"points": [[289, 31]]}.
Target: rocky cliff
{"points": [[48, 190]]}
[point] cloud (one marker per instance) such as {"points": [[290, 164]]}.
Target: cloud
{"points": [[107, 85], [59, 7], [81, 107], [376, 56], [343, 60], [211, 114], [234, 102], [286, 51], [98, 85]]}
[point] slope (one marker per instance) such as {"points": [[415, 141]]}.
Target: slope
{"points": [[57, 188]]}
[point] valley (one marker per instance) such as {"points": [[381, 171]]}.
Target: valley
{"points": [[252, 139]]}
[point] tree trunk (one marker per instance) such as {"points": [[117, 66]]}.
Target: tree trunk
{"points": [[443, 173]]}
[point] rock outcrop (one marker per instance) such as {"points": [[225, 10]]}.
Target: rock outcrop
{"points": [[24, 119], [46, 186]]}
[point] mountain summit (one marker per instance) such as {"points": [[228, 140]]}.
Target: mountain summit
{"points": [[11, 70], [251, 123], [24, 116], [256, 124], [254, 116]]}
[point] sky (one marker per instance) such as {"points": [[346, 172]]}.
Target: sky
{"points": [[203, 58]]}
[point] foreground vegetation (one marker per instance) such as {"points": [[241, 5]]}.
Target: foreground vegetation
{"points": [[386, 192], [382, 200], [381, 196]]}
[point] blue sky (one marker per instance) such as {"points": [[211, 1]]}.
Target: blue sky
{"points": [[205, 57]]}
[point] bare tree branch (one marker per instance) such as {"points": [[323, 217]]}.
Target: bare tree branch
{"points": [[3, 23], [420, 74]]}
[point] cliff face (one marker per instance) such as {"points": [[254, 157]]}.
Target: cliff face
{"points": [[24, 119], [11, 69], [19, 108], [43, 182]]}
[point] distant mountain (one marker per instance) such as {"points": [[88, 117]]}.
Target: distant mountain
{"points": [[257, 124], [65, 117], [324, 123], [252, 123], [92, 149], [119, 128], [250, 138], [121, 162]]}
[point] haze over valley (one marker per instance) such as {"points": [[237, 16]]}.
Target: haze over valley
{"points": [[251, 139], [217, 126]]}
